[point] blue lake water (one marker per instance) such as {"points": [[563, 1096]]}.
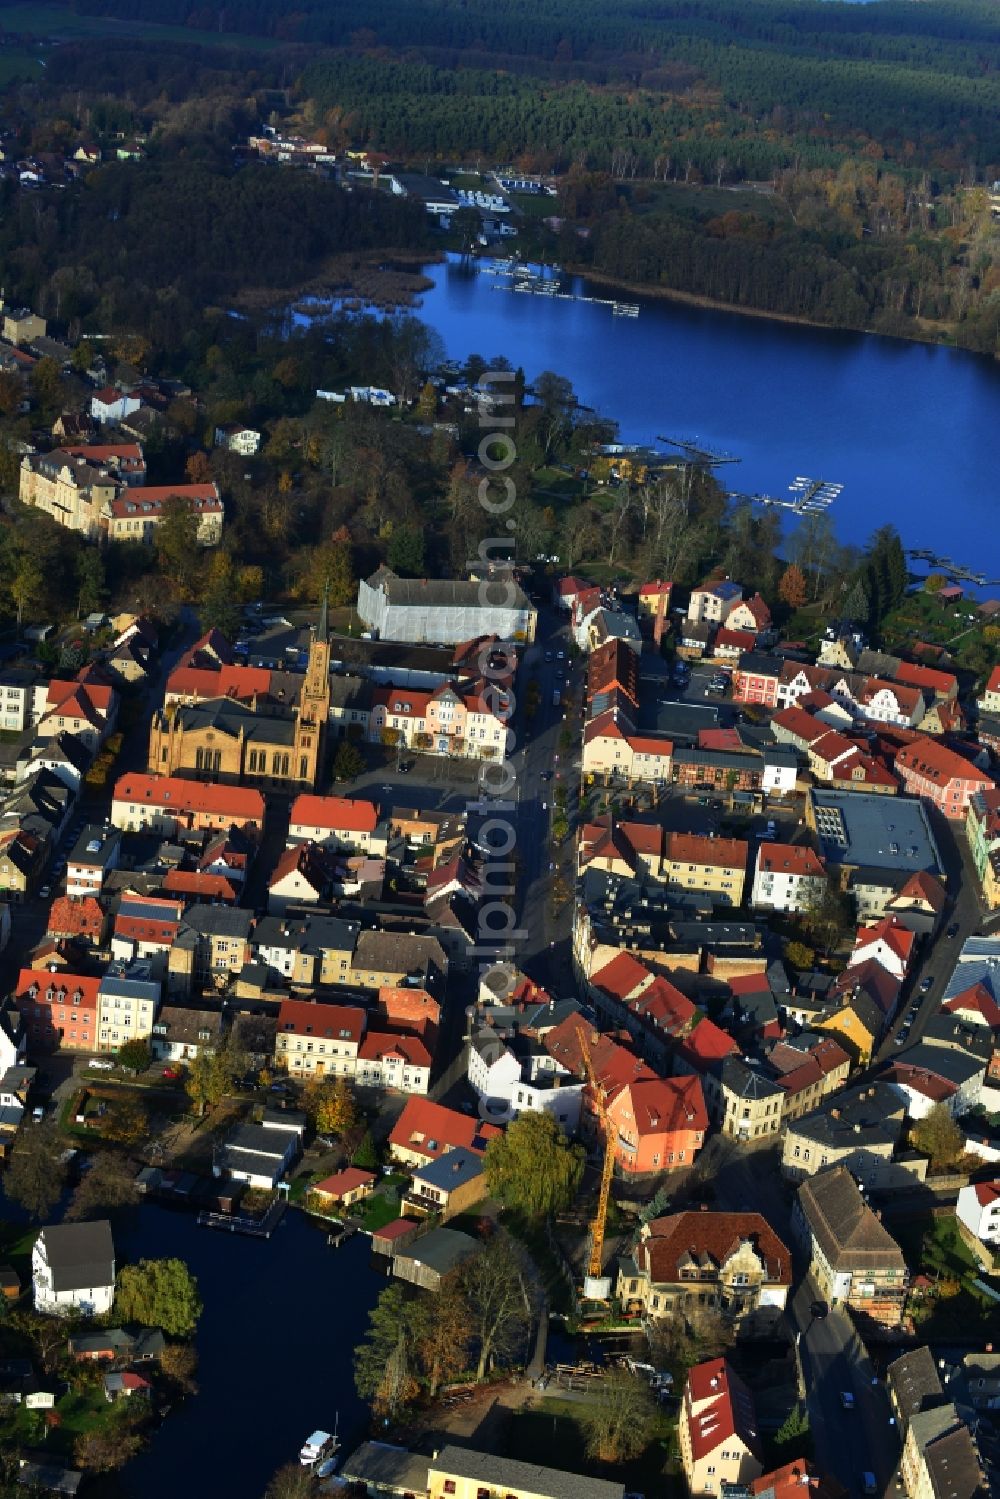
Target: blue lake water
{"points": [[911, 431]]}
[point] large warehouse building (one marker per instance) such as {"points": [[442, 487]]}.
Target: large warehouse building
{"points": [[445, 612]]}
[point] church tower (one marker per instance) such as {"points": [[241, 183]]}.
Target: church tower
{"points": [[314, 704]]}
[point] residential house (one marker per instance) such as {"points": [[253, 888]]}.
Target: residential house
{"points": [[388, 1061], [930, 770], [756, 679], [146, 927], [181, 1032], [858, 1129], [919, 903], [22, 859], [612, 750], [86, 709], [913, 1384], [236, 438], [463, 1473], [342, 1190], [21, 325], [318, 1040], [22, 700], [715, 866], [448, 1185], [95, 853], [978, 1208], [73, 1269], [717, 1430], [734, 1261], [127, 1001], [170, 804], [260, 1154], [658, 1123], [788, 877], [109, 405], [125, 460], [940, 1459], [80, 919], [750, 614], [982, 827], [58, 1010], [425, 1131], [337, 822], [452, 719], [714, 601], [854, 1259], [889, 943], [303, 875], [747, 1101], [308, 952]]}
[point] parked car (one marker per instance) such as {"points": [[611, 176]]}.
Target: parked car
{"points": [[171, 1073], [101, 1064], [952, 930], [926, 983], [847, 1400]]}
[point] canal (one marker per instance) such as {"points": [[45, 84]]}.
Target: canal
{"points": [[909, 429]]}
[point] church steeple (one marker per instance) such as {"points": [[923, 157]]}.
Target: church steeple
{"points": [[314, 704]]}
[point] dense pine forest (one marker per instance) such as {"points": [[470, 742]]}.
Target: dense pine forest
{"points": [[803, 157]]}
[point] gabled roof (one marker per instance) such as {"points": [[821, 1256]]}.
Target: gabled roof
{"points": [[727, 1409], [924, 887], [342, 1182], [662, 1106], [891, 931], [431, 1130], [846, 1229], [935, 762], [66, 988], [789, 858], [174, 794], [622, 977], [378, 1045], [698, 848], [709, 1239], [304, 1017], [76, 916], [335, 813], [978, 999]]}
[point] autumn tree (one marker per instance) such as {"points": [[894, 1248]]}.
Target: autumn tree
{"points": [[159, 1293], [385, 1362], [532, 1167], [619, 1421], [331, 1105], [107, 1185], [126, 1121], [35, 1173], [498, 1301], [198, 468], [134, 1055], [329, 571], [441, 1333], [792, 588], [292, 1481], [828, 916], [112, 1444], [179, 1364], [176, 542], [938, 1136]]}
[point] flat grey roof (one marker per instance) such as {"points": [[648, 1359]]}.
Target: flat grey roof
{"points": [[387, 1469], [881, 832]]}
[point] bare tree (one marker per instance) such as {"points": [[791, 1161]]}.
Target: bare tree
{"points": [[498, 1300]]}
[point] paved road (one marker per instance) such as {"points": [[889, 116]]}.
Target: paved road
{"points": [[848, 1443]]}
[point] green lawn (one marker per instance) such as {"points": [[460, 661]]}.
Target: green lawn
{"points": [[17, 63], [702, 201], [550, 1433]]}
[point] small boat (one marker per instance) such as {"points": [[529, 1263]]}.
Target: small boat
{"points": [[317, 1447]]}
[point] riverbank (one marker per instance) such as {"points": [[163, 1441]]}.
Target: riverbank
{"points": [[386, 280], [936, 338]]}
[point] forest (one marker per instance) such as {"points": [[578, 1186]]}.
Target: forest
{"points": [[869, 134]]}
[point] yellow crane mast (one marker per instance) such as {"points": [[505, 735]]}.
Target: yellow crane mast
{"points": [[596, 1285]]}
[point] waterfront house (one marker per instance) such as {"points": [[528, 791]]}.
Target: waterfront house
{"points": [[342, 1190], [463, 1473], [73, 1269], [425, 1130], [448, 1185], [432, 1256]]}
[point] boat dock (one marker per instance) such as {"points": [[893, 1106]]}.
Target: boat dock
{"points": [[519, 278], [952, 569], [239, 1223]]}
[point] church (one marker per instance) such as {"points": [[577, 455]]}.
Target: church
{"points": [[266, 743]]}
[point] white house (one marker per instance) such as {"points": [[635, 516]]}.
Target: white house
{"points": [[787, 877], [978, 1207], [401, 1063], [110, 405], [506, 1088], [494, 1071], [781, 770], [73, 1269], [889, 943], [237, 439]]}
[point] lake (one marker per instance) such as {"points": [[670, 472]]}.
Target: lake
{"points": [[910, 430], [275, 1342]]}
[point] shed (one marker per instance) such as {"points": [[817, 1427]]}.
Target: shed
{"points": [[425, 1262], [395, 1235], [10, 1283]]}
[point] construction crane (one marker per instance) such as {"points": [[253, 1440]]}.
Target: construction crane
{"points": [[596, 1285]]}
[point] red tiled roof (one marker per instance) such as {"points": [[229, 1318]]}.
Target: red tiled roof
{"points": [[151, 498], [923, 886], [76, 916], [942, 682], [342, 1182], [706, 1044], [741, 640], [789, 858], [431, 1130], [890, 930], [623, 976], [935, 762], [335, 813], [661, 1105], [657, 588], [720, 739], [66, 988], [929, 1084], [379, 1044], [803, 725], [978, 998], [240, 682], [668, 1242], [303, 1017], [698, 848], [649, 744], [198, 884], [614, 1065], [987, 1192], [993, 681], [604, 726], [664, 1006], [173, 794], [727, 1409]]}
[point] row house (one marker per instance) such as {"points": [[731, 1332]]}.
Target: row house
{"points": [[58, 1009], [714, 866], [937, 774], [337, 822], [426, 1131], [400, 1063], [721, 769], [212, 943], [613, 751], [452, 720], [318, 1040], [172, 804], [982, 828], [717, 1430], [756, 679], [787, 877], [126, 1008], [145, 927]]}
